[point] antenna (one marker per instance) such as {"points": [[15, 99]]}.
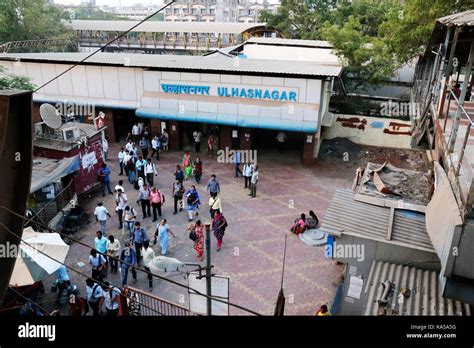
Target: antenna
{"points": [[50, 116]]}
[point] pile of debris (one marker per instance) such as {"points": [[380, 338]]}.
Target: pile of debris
{"points": [[387, 185]]}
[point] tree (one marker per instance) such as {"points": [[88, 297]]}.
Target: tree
{"points": [[89, 12], [407, 31], [31, 20], [300, 19], [10, 81]]}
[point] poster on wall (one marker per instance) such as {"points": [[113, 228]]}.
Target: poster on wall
{"points": [[89, 160]]}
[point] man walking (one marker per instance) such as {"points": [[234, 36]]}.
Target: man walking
{"points": [[111, 299], [140, 166], [253, 183], [247, 173], [138, 237], [101, 213], [121, 201], [281, 138], [178, 191], [104, 178], [155, 147], [128, 259], [164, 140], [213, 186], [237, 164], [144, 200], [150, 172], [94, 296], [105, 148], [135, 132], [121, 158], [197, 140], [144, 146]]}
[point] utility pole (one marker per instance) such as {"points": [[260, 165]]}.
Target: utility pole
{"points": [[208, 269]]}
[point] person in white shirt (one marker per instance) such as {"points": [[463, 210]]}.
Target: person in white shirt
{"points": [[119, 186], [105, 148], [113, 247], [101, 213], [197, 140], [247, 173], [111, 299], [129, 216], [121, 157], [253, 183], [150, 171], [122, 200], [155, 147], [129, 146], [281, 138], [214, 205], [136, 132], [148, 256], [94, 296]]}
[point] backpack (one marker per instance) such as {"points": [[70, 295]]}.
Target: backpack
{"points": [[101, 268], [92, 294], [162, 198], [191, 198], [193, 235]]}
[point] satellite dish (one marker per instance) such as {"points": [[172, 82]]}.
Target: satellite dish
{"points": [[51, 116]]}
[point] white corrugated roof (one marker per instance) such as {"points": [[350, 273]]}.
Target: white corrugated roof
{"points": [[348, 216], [159, 27], [289, 42], [184, 63], [423, 287]]}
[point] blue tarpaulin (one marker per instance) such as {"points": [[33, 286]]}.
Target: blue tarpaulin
{"points": [[47, 170]]}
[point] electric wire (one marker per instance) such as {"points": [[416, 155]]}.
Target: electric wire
{"points": [[104, 46], [135, 267]]}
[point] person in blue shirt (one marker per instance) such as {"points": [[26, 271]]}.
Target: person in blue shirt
{"points": [[101, 244], [140, 166], [138, 237], [179, 174], [192, 201], [213, 185], [128, 258], [104, 178], [62, 277], [237, 164]]}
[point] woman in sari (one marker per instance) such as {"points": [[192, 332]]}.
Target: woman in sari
{"points": [[199, 241], [188, 165], [219, 224]]}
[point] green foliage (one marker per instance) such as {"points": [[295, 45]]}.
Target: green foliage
{"points": [[91, 13], [9, 81], [408, 30], [30, 20], [372, 37]]}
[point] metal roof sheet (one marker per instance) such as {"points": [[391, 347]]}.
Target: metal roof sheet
{"points": [[47, 170], [159, 27], [184, 63], [465, 18], [348, 216], [86, 130], [424, 292], [289, 42]]}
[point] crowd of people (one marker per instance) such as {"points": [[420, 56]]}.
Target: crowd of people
{"points": [[135, 161]]}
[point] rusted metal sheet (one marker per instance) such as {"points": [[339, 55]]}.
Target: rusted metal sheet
{"points": [[465, 18]]}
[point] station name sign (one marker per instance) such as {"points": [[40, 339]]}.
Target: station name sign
{"points": [[231, 92]]}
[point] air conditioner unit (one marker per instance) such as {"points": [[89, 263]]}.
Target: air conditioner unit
{"points": [[71, 133], [40, 129]]}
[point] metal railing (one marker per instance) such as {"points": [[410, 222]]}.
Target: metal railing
{"points": [[153, 305]]}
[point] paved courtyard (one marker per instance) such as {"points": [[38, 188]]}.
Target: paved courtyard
{"points": [[253, 246]]}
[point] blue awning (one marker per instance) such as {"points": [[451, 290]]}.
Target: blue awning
{"points": [[229, 120]]}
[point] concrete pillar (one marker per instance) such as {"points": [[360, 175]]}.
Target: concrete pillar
{"points": [[246, 137], [174, 135], [109, 122], [225, 137], [35, 114], [155, 126], [308, 149]]}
